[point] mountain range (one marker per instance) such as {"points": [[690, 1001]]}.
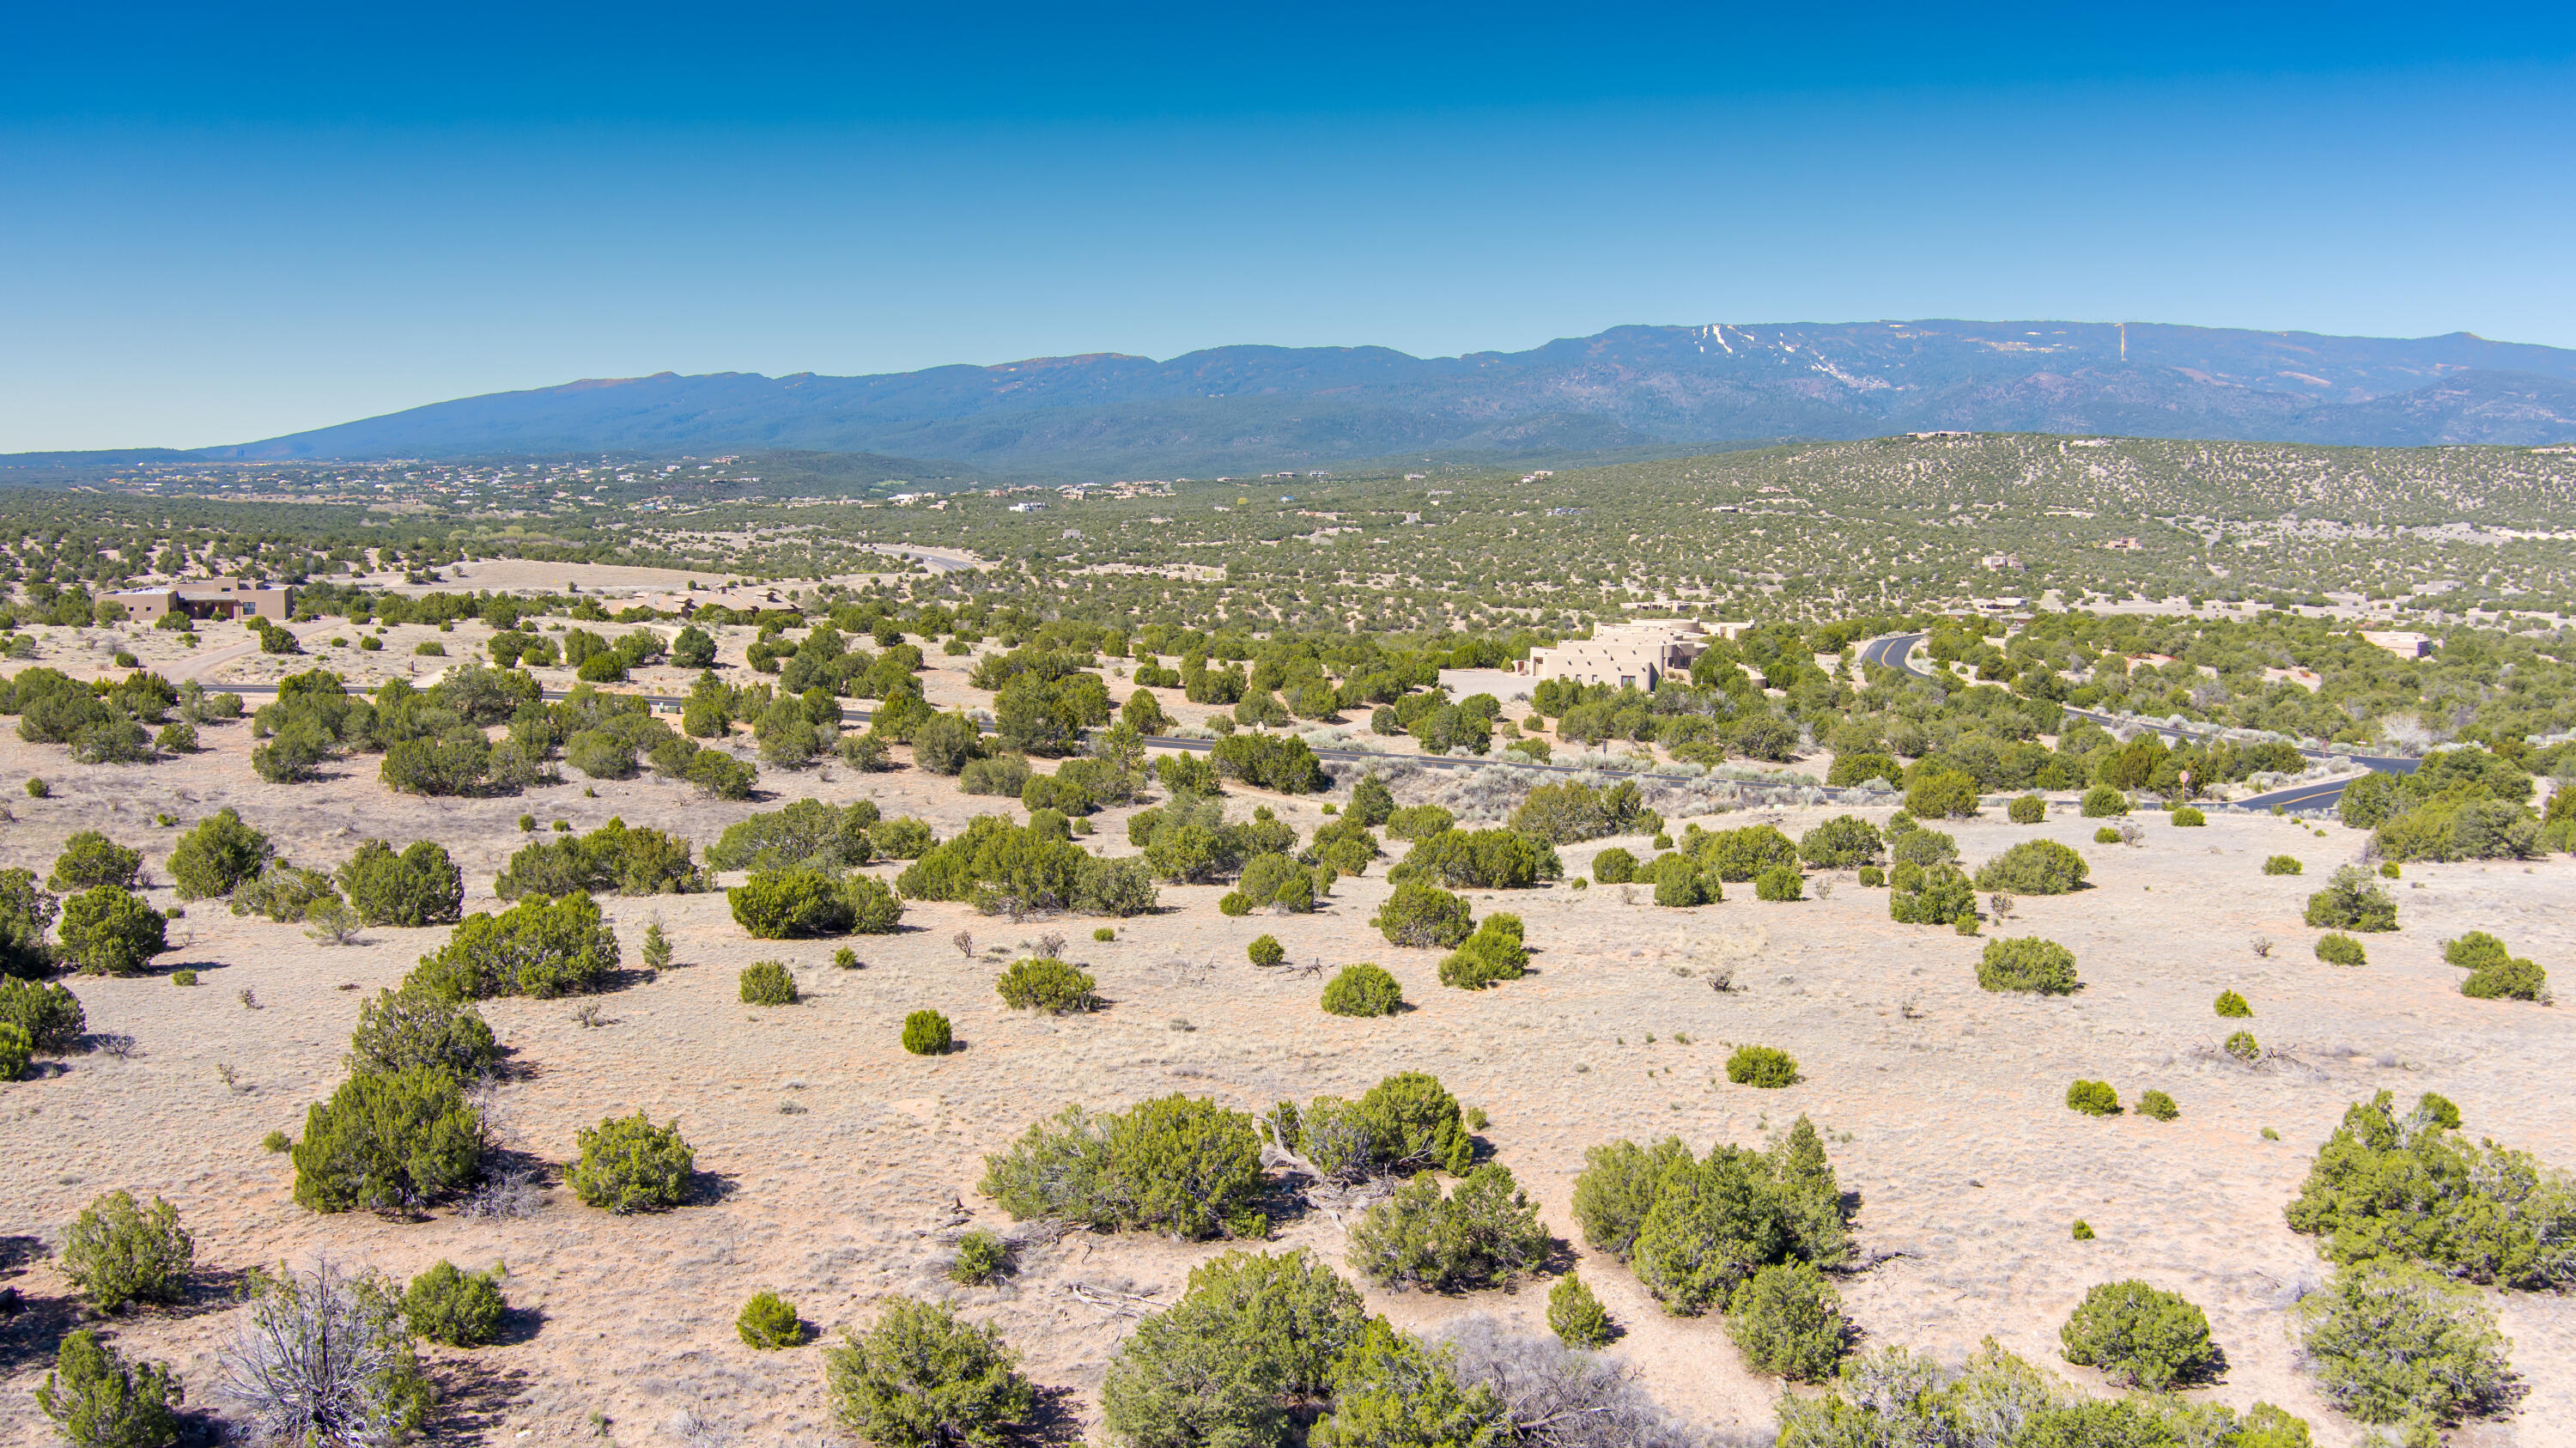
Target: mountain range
{"points": [[1247, 407]]}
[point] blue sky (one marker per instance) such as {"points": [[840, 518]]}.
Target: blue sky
{"points": [[220, 222]]}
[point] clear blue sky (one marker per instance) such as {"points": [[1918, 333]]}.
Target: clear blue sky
{"points": [[220, 222]]}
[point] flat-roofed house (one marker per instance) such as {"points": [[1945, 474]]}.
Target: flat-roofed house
{"points": [[1635, 656], [210, 598]]}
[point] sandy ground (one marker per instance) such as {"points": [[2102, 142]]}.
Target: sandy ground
{"points": [[838, 1164]]}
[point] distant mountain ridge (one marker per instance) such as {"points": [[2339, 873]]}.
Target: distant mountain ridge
{"points": [[1246, 407]]}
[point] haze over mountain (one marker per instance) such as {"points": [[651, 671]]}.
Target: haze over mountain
{"points": [[1248, 407]]}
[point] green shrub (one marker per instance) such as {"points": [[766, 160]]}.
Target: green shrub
{"points": [[2187, 817], [1049, 985], [981, 1258], [2034, 867], [1406, 1122], [389, 1142], [2243, 1047], [920, 1378], [1479, 859], [1780, 882], [2028, 963], [1614, 866], [610, 858], [1495, 952], [1788, 1320], [99, 1400], [1418, 822], [1481, 1235], [90, 859], [49, 1014], [2083, 1230], [17, 1048], [1253, 1339], [2028, 809], [1575, 1315], [1423, 917], [2106, 836], [2157, 1106], [1735, 856], [2282, 865], [540, 948], [2093, 1098], [768, 1322], [1841, 843], [2386, 1185], [420, 886], [183, 977], [925, 1033], [1175, 1164], [2517, 979], [458, 1308], [1265, 950], [630, 1165], [2352, 901], [1365, 989], [767, 983], [108, 931], [1943, 794], [808, 832], [789, 905], [1939, 896], [2388, 869], [115, 1252], [1761, 1066], [412, 1025], [2233, 1007], [2102, 801], [1872, 877], [2139, 1336], [2338, 949], [38, 789], [2475, 949], [2394, 1343]]}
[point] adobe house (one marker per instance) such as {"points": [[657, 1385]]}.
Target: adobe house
{"points": [[210, 598]]}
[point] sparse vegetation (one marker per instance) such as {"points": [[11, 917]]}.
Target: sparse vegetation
{"points": [[2158, 1106], [768, 983], [2340, 949], [117, 1252], [1049, 985], [2392, 1343], [2093, 1098], [630, 1165], [2034, 867], [1177, 1164], [768, 1322], [2232, 1006], [1761, 1066], [2282, 865], [1365, 989], [2041, 967], [2352, 901], [2140, 1336], [925, 1033], [2408, 1187], [446, 1304]]}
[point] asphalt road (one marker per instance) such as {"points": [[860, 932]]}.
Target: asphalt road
{"points": [[1896, 652]]}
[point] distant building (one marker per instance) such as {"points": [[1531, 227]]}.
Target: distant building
{"points": [[1998, 562], [211, 598], [2399, 642], [1623, 656]]}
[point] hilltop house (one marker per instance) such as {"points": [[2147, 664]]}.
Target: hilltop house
{"points": [[209, 598], [1634, 655]]}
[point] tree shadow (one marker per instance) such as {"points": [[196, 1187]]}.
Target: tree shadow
{"points": [[475, 1397], [209, 1289], [1055, 1419], [520, 1325], [708, 1188], [34, 1333]]}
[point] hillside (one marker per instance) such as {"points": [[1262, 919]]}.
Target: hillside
{"points": [[1243, 408]]}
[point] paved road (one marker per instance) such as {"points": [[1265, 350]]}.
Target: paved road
{"points": [[1896, 652]]}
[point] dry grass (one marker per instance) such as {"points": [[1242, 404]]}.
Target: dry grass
{"points": [[1942, 1098]]}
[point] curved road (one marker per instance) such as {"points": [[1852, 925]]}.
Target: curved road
{"points": [[1896, 651]]}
